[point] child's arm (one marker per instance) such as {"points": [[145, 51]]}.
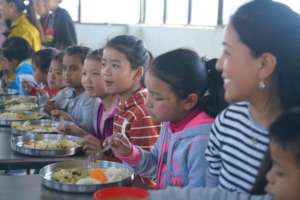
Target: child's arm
{"points": [[143, 162], [188, 193]]}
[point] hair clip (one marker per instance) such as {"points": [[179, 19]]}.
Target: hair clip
{"points": [[26, 2]]}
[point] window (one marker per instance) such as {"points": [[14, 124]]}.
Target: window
{"points": [[72, 7], [154, 11], [292, 4], [110, 11], [177, 11], [229, 7], [204, 12]]}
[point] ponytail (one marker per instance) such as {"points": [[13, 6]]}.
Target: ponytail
{"points": [[213, 102], [26, 6]]}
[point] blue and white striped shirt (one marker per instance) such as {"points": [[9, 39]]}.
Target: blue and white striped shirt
{"points": [[236, 148]]}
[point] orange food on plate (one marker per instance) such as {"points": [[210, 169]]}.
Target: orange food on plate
{"points": [[99, 175]]}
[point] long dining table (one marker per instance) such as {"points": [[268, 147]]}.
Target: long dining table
{"points": [[10, 160], [29, 187]]}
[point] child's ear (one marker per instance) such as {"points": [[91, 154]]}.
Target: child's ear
{"points": [[139, 72], [191, 101]]}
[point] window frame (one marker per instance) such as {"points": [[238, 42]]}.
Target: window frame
{"points": [[142, 15]]}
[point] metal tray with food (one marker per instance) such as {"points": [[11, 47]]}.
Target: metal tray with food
{"points": [[35, 126], [6, 117], [47, 145], [21, 107], [8, 92], [76, 176], [17, 100]]}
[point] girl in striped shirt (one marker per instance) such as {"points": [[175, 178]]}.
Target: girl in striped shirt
{"points": [[183, 97], [260, 68], [123, 62]]}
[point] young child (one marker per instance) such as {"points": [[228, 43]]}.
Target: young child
{"points": [[260, 80], [72, 102], [283, 178], [23, 25], [41, 62], [54, 76], [18, 53], [93, 84], [177, 83], [124, 60]]}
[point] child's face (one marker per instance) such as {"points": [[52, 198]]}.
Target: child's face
{"points": [[92, 79], [55, 77], [39, 76], [119, 77], [162, 103], [284, 177], [72, 71], [240, 70]]}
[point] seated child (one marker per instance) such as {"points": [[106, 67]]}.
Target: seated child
{"points": [[41, 62], [17, 52], [54, 76], [182, 98], [283, 178], [103, 116], [72, 102]]}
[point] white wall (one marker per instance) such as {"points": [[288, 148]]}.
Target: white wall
{"points": [[206, 41]]}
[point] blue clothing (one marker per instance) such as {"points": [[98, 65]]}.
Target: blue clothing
{"points": [[82, 108], [23, 72], [183, 159]]}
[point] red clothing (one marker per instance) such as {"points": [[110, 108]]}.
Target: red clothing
{"points": [[50, 92], [133, 118]]}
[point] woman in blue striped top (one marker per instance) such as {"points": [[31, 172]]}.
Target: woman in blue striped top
{"points": [[261, 70]]}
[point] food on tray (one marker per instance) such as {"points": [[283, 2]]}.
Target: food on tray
{"points": [[21, 106], [83, 176], [28, 126], [51, 144], [18, 116], [20, 99]]}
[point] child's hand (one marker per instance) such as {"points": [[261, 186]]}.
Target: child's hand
{"points": [[27, 86], [50, 105], [119, 143], [58, 114], [72, 128], [91, 144]]}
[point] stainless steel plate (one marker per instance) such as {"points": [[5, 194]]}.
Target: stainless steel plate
{"points": [[47, 172], [17, 144], [8, 92], [19, 130], [22, 107], [7, 120]]}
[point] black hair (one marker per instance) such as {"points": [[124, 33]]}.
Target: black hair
{"points": [[185, 72], [27, 7], [16, 48], [265, 26], [133, 48], [214, 101], [58, 57], [80, 51], [285, 131], [95, 55], [42, 58]]}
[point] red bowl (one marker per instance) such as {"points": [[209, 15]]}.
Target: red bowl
{"points": [[121, 193]]}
